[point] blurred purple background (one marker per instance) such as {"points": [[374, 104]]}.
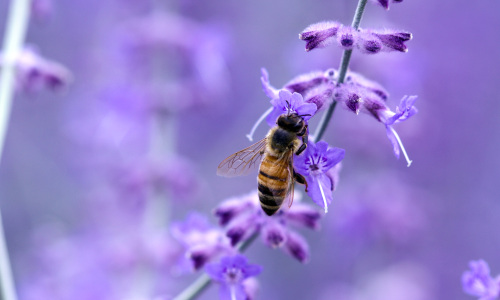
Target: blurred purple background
{"points": [[76, 161]]}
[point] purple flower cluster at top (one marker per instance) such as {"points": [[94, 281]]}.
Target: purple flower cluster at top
{"points": [[242, 217], [478, 281], [368, 41]]}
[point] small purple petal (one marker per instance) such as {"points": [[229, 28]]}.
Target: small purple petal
{"points": [[269, 90], [369, 43], [304, 215], [347, 37], [321, 96], [478, 282], [297, 247], [305, 82], [393, 40], [319, 35], [274, 234]]}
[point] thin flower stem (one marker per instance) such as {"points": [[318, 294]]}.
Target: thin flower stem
{"points": [[192, 291], [17, 24], [344, 65]]}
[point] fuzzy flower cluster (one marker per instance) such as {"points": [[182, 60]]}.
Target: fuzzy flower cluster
{"points": [[243, 217], [478, 281], [368, 41]]}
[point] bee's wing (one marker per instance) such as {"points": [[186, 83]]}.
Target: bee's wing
{"points": [[242, 162], [291, 180]]}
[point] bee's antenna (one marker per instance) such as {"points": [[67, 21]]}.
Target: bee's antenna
{"points": [[306, 115], [288, 106]]}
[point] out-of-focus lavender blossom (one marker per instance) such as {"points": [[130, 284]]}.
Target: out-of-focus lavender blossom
{"points": [[201, 241], [42, 9], [320, 165], [175, 174], [384, 209], [231, 273], [181, 44], [368, 41], [243, 217], [385, 3], [478, 281], [289, 103], [34, 72], [102, 270]]}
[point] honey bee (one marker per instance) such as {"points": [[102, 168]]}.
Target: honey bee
{"points": [[275, 153]]}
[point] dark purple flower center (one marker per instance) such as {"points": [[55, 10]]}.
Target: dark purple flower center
{"points": [[233, 274]]}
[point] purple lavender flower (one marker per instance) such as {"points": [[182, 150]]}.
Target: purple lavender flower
{"points": [[385, 3], [347, 37], [368, 41], [201, 241], [245, 218], [34, 72], [315, 87], [289, 103], [231, 273], [359, 94], [392, 40], [319, 164], [319, 35], [478, 282]]}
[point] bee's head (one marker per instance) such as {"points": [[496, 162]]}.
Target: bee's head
{"points": [[291, 122]]}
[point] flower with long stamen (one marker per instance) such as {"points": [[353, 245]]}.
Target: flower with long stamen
{"points": [[319, 164], [231, 273], [478, 281]]}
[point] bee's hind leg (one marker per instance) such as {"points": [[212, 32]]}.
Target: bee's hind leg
{"points": [[299, 179]]}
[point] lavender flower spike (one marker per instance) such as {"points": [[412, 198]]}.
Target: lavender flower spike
{"points": [[231, 272], [478, 282], [315, 164], [319, 35]]}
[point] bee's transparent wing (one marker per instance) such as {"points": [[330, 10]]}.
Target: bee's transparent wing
{"points": [[242, 162], [291, 178]]}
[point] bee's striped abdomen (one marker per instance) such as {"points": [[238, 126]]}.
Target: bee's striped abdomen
{"points": [[273, 183]]}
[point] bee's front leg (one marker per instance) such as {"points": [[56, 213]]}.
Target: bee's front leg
{"points": [[300, 179], [305, 138]]}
